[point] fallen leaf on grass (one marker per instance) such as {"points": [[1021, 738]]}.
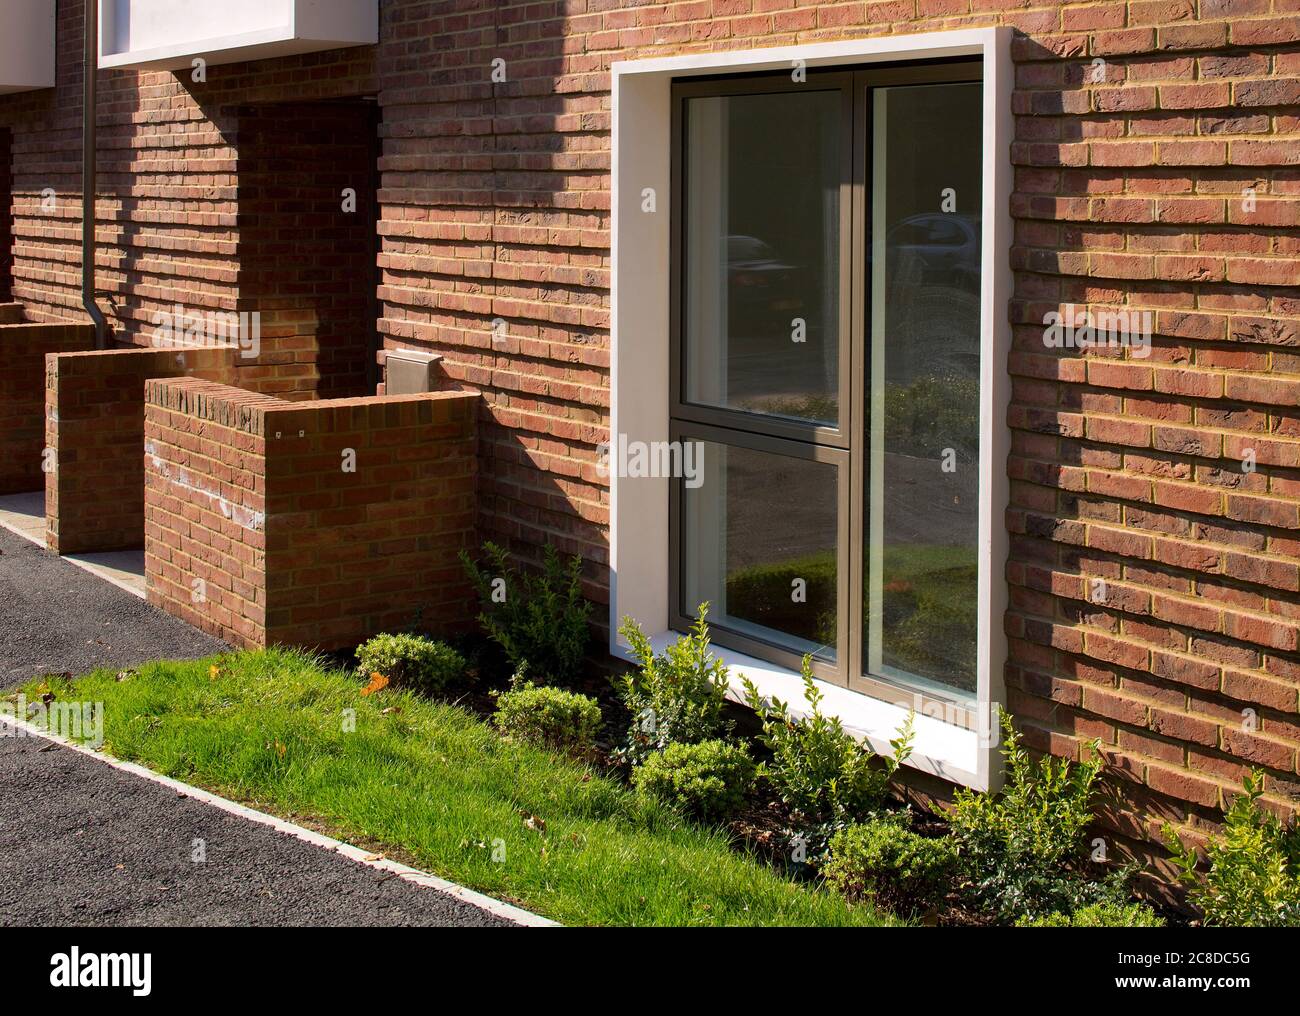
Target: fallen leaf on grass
{"points": [[534, 822], [377, 683]]}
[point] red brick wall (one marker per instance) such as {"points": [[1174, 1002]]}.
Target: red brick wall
{"points": [[6, 218], [22, 397], [205, 506], [250, 495], [169, 229], [94, 423], [1128, 193], [305, 264]]}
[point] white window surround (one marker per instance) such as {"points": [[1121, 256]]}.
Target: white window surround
{"points": [[641, 243], [166, 35], [26, 45]]}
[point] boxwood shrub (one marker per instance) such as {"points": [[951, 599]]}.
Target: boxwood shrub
{"points": [[550, 716], [1098, 915], [709, 780], [412, 661], [886, 861]]}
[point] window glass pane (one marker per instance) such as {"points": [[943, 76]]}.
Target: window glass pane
{"points": [[923, 390], [761, 236], [759, 545]]}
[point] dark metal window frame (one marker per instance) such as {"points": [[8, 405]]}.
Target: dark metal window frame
{"points": [[845, 445]]}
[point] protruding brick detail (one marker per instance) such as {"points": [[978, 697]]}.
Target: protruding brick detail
{"points": [[23, 347], [94, 424], [254, 498]]}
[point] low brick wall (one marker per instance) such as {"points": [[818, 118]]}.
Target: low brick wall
{"points": [[23, 347], [94, 424], [317, 524]]}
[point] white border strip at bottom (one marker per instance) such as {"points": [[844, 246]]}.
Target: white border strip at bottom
{"points": [[421, 878]]}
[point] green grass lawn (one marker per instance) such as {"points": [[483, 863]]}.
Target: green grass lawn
{"points": [[439, 787]]}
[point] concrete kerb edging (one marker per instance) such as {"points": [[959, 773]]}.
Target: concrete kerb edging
{"points": [[422, 878]]}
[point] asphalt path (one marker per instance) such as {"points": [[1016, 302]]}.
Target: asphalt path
{"points": [[56, 617], [84, 844]]}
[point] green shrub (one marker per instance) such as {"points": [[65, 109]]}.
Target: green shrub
{"points": [[1098, 915], [822, 773], [1253, 876], [549, 716], [886, 861], [537, 619], [709, 780], [411, 661], [1023, 850], [675, 697]]}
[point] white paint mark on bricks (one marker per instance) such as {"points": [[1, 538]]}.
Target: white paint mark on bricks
{"points": [[243, 517]]}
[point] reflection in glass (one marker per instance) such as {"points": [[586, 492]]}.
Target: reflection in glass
{"points": [[923, 391], [759, 544], [762, 235]]}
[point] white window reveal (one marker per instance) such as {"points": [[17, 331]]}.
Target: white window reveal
{"points": [[810, 288]]}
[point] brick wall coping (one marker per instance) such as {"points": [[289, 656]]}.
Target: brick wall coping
{"points": [[9, 329], [155, 350], [253, 413]]}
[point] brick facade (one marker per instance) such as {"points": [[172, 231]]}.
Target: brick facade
{"points": [[306, 266], [94, 426], [6, 219], [1157, 168], [256, 498], [23, 347]]}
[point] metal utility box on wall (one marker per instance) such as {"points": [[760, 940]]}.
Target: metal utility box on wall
{"points": [[409, 372]]}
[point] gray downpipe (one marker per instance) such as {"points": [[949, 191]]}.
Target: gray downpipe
{"points": [[88, 177]]}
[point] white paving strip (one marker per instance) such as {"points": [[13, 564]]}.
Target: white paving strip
{"points": [[370, 860], [24, 515]]}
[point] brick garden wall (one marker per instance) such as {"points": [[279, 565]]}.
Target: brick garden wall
{"points": [[94, 424], [1131, 191], [23, 346], [316, 523], [205, 506]]}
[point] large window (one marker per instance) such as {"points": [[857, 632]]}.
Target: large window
{"points": [[826, 357]]}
